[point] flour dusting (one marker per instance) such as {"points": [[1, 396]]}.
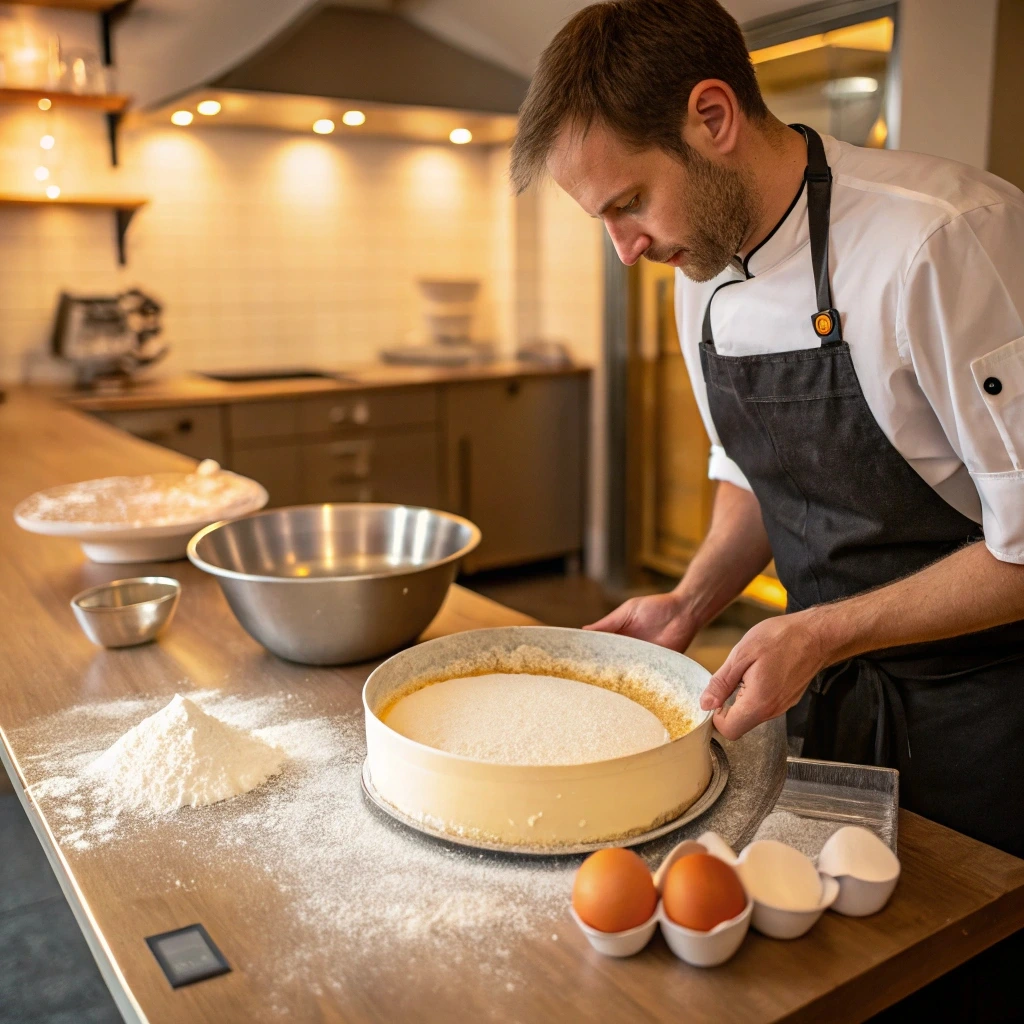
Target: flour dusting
{"points": [[183, 757], [363, 895]]}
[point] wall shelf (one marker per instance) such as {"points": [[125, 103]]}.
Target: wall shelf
{"points": [[110, 103], [123, 208], [92, 6]]}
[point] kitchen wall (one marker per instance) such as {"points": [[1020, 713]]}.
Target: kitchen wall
{"points": [[265, 248]]}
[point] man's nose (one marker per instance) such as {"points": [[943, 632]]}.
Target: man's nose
{"points": [[629, 243]]}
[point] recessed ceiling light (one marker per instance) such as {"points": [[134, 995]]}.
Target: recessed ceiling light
{"points": [[324, 126], [52, 191], [353, 118], [42, 173], [46, 142], [181, 117], [44, 104], [208, 108], [460, 136]]}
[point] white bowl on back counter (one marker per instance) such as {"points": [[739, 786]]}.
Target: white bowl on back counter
{"points": [[150, 518]]}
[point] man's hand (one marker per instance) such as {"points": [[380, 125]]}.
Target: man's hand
{"points": [[660, 618], [769, 669]]}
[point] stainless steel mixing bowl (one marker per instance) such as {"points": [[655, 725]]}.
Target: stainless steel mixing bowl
{"points": [[334, 584], [127, 612]]}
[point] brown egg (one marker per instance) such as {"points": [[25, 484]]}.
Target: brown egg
{"points": [[614, 891], [701, 891]]}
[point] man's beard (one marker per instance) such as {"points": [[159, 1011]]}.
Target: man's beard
{"points": [[721, 207]]}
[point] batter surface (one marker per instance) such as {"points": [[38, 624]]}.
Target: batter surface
{"points": [[526, 720]]}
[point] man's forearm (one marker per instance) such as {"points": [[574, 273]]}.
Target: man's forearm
{"points": [[735, 550], [968, 591]]}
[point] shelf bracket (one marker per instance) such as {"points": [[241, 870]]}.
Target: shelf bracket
{"points": [[122, 218], [113, 123], [107, 19]]}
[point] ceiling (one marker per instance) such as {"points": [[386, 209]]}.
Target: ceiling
{"points": [[167, 47], [514, 34]]}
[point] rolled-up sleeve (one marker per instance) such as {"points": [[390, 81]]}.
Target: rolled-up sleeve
{"points": [[721, 467], [961, 327]]}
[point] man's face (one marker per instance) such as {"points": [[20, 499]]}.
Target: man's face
{"points": [[693, 216]]}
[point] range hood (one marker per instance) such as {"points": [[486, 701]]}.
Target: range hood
{"points": [[410, 83]]}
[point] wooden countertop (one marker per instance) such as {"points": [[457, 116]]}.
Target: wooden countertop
{"points": [[195, 389], [955, 897]]}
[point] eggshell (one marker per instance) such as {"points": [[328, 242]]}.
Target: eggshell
{"points": [[701, 892], [706, 949], [864, 868], [620, 944], [856, 851], [776, 875], [717, 847], [614, 891]]}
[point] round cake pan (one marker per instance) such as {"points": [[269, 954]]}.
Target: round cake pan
{"points": [[546, 807], [719, 779]]}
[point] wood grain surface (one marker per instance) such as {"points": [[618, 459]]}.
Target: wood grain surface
{"points": [[955, 897]]}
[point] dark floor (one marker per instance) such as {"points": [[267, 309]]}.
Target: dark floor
{"points": [[47, 974]]}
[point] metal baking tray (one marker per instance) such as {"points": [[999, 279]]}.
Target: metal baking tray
{"points": [[848, 794]]}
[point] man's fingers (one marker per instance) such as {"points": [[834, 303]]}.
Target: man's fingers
{"points": [[612, 622], [737, 720], [725, 680]]}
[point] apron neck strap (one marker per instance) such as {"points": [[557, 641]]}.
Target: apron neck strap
{"points": [[818, 176]]}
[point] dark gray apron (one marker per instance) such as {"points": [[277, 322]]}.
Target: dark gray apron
{"points": [[845, 512]]}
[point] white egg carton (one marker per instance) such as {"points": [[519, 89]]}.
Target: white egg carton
{"points": [[786, 892]]}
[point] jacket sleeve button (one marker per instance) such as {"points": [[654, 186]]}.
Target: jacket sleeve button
{"points": [[993, 385]]}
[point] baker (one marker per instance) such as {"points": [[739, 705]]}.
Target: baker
{"points": [[852, 323]]}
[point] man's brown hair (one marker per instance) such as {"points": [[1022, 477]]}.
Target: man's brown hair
{"points": [[631, 64]]}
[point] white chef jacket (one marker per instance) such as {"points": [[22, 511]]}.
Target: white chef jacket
{"points": [[927, 264]]}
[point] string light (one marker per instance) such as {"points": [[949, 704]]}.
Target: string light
{"points": [[208, 108], [52, 191], [42, 173], [353, 118], [324, 126], [181, 117], [45, 104], [47, 141], [460, 136]]}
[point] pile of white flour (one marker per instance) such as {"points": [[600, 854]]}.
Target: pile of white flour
{"points": [[183, 757]]}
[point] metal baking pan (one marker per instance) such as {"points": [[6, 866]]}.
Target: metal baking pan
{"points": [[848, 794], [719, 778]]}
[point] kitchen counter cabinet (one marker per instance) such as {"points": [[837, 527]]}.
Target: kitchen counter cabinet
{"points": [[515, 466], [196, 431], [955, 897], [503, 445]]}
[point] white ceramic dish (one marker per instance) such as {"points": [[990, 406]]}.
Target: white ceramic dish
{"points": [[120, 543], [626, 943], [580, 803], [864, 867], [706, 949]]}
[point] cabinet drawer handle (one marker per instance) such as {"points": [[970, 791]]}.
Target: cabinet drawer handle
{"points": [[359, 414], [185, 426]]}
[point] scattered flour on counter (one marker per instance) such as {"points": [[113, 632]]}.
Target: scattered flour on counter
{"points": [[365, 894], [184, 757]]}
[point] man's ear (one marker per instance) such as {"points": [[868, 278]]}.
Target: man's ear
{"points": [[712, 118]]}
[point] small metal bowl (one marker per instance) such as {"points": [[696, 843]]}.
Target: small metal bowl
{"points": [[127, 612], [335, 584]]}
